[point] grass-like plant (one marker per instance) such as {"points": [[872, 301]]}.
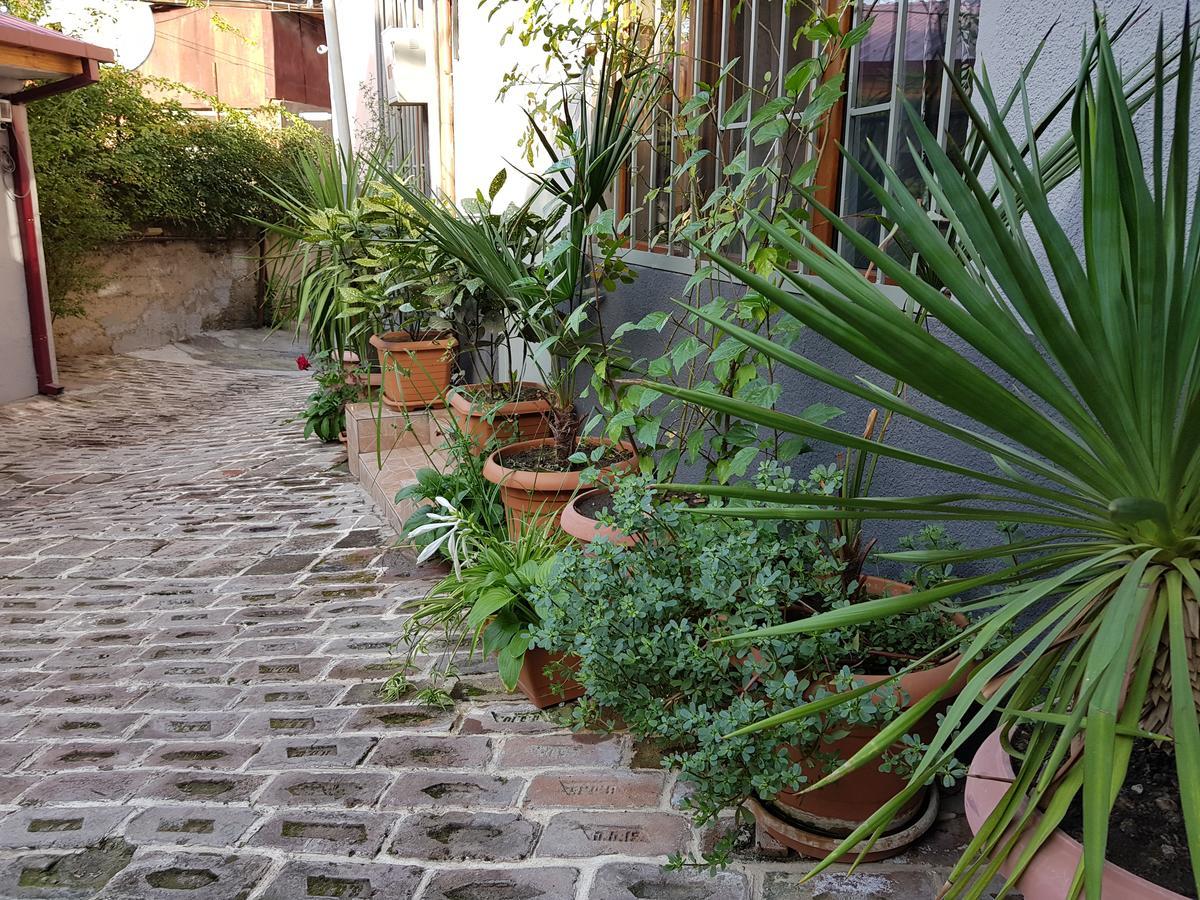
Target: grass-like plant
{"points": [[1090, 435]]}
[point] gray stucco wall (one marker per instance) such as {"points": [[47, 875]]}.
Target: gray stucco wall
{"points": [[1009, 32]]}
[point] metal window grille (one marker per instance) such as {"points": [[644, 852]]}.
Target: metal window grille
{"points": [[405, 129]]}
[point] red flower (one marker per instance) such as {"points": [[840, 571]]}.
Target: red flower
{"points": [[302, 362]]}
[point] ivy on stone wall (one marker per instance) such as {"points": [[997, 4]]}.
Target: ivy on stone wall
{"points": [[111, 162]]}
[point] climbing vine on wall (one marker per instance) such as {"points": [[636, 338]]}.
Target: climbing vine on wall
{"points": [[112, 161]]}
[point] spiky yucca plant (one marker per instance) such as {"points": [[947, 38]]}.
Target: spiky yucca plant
{"points": [[1091, 435]]}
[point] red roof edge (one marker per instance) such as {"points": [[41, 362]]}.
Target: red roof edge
{"points": [[19, 33]]}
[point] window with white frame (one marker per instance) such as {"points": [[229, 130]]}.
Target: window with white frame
{"points": [[900, 59]]}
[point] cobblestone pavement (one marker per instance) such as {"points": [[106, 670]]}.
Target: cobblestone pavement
{"points": [[196, 610]]}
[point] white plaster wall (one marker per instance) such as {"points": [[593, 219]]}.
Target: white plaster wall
{"points": [[359, 43], [487, 131], [1009, 31], [18, 378]]}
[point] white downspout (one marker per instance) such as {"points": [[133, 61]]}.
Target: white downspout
{"points": [[337, 80]]}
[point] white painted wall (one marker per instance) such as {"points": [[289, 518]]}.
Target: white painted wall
{"points": [[18, 378]]}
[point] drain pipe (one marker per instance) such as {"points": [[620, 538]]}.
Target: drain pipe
{"points": [[31, 254]]}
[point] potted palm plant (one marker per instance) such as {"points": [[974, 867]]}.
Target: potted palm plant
{"points": [[1097, 448]]}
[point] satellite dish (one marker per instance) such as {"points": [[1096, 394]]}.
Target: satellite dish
{"points": [[124, 26]]}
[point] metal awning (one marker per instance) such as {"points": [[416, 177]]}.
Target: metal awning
{"points": [[29, 52]]}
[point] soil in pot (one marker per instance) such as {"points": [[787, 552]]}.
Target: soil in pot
{"points": [[1146, 832], [493, 394], [545, 459]]}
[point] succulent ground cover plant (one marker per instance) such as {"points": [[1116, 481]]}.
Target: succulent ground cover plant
{"points": [[643, 620]]}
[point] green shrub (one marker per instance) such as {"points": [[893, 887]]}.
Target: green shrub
{"points": [[111, 161], [646, 622]]}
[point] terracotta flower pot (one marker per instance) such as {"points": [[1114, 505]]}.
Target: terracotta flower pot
{"points": [[548, 690], [584, 528], [416, 374], [483, 420], [538, 497], [842, 806], [1049, 874]]}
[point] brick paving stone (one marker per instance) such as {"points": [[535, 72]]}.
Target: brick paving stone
{"points": [[88, 755], [313, 753], [191, 826], [201, 754], [197, 876], [588, 834], [83, 723], [496, 884], [80, 874], [103, 697], [274, 723], [187, 726], [400, 717], [562, 750], [464, 835], [188, 697], [292, 696], [85, 787], [634, 881], [354, 834], [452, 789], [343, 789], [458, 751], [205, 787], [603, 788], [12, 786], [517, 718], [46, 827], [303, 878]]}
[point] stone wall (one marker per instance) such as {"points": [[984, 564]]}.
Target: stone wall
{"points": [[161, 290]]}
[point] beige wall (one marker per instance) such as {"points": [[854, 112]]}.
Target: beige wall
{"points": [[159, 291]]}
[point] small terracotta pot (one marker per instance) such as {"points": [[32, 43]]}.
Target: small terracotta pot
{"points": [[416, 374], [586, 529], [538, 497], [548, 690], [481, 421], [842, 806], [1050, 873]]}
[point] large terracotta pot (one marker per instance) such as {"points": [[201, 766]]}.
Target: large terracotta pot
{"points": [[537, 497], [416, 374], [548, 690], [844, 805], [584, 528], [483, 421], [1049, 874]]}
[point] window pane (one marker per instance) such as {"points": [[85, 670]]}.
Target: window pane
{"points": [[876, 53], [860, 204], [962, 61], [921, 80]]}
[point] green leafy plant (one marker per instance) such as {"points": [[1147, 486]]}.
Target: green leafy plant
{"points": [[1097, 447], [485, 604], [112, 161], [325, 410], [643, 620]]}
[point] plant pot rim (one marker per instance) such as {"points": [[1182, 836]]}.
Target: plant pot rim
{"points": [[463, 404], [399, 340], [585, 528], [525, 480], [1050, 872]]}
